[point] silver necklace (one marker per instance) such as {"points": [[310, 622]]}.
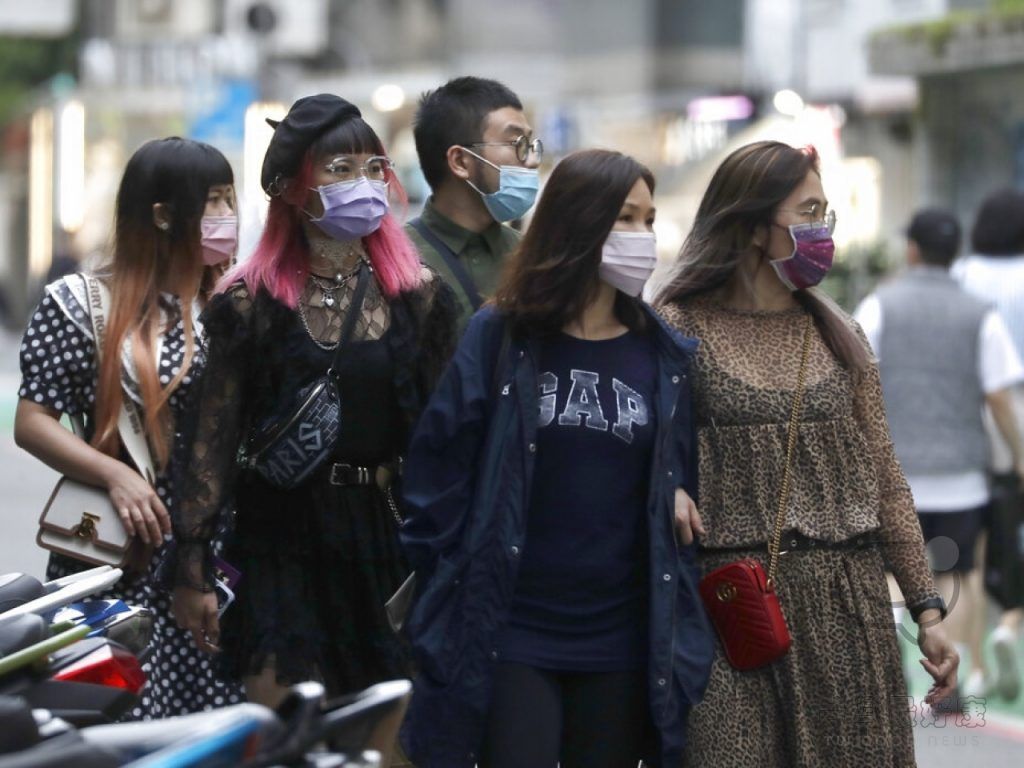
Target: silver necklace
{"points": [[327, 290], [315, 340], [329, 286]]}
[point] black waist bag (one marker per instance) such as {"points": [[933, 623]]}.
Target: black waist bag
{"points": [[286, 450]]}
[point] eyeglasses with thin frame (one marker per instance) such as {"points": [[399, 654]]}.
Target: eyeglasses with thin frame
{"points": [[524, 146], [813, 215], [346, 168]]}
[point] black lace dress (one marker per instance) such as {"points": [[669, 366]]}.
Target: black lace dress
{"points": [[318, 561]]}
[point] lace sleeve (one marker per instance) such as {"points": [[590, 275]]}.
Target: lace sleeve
{"points": [[903, 543], [211, 437], [439, 330]]}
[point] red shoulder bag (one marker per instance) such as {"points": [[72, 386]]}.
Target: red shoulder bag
{"points": [[740, 597]]}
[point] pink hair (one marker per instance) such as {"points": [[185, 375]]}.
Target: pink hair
{"points": [[280, 263]]}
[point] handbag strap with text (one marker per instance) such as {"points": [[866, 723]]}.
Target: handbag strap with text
{"points": [[794, 425], [129, 420], [456, 267]]}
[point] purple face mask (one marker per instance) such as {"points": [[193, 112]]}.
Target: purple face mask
{"points": [[812, 256], [352, 209]]}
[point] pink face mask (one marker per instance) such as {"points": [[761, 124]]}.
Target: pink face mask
{"points": [[811, 259], [219, 238]]}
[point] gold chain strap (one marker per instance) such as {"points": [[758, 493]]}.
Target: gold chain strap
{"points": [[794, 424]]}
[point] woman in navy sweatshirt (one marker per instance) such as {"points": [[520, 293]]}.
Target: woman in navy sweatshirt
{"points": [[550, 493]]}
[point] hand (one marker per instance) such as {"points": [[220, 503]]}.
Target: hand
{"points": [[196, 612], [941, 660], [136, 501], [688, 522]]}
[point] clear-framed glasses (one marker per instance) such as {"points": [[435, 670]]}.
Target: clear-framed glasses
{"points": [[812, 216], [524, 146], [347, 168]]}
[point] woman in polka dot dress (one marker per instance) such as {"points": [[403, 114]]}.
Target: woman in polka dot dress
{"points": [[174, 224]]}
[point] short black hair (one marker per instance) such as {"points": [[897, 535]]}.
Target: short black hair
{"points": [[454, 114], [936, 232], [999, 226]]}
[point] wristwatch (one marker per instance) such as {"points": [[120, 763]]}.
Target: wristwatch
{"points": [[932, 602]]}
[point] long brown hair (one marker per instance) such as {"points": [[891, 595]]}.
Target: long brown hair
{"points": [[743, 195], [145, 259], [553, 274]]}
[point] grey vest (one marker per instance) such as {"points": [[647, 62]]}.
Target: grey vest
{"points": [[929, 363]]}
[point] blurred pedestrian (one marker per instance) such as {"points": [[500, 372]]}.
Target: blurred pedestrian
{"points": [[779, 362], [334, 299], [994, 272], [65, 259], [558, 620], [173, 194], [480, 158], [944, 355]]}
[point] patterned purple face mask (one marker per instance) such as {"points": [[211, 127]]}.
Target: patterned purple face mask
{"points": [[813, 252]]}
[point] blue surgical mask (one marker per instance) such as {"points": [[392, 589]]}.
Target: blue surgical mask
{"points": [[517, 190]]}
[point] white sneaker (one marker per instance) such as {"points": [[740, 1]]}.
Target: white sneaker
{"points": [[977, 686], [1004, 648]]}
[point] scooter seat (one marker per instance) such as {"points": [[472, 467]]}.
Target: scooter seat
{"points": [[18, 632], [144, 738], [17, 588]]}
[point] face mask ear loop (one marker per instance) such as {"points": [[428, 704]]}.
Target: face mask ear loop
{"points": [[482, 159]]}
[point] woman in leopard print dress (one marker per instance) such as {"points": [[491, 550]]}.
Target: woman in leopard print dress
{"points": [[745, 288]]}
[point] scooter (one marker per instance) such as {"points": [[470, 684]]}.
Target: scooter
{"points": [[21, 594], [354, 732], [70, 667]]}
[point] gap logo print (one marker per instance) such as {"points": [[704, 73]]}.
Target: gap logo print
{"points": [[593, 390], [583, 405]]}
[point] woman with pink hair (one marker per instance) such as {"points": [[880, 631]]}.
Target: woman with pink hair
{"points": [[315, 534]]}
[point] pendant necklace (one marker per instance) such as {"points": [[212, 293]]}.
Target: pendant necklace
{"points": [[329, 286]]}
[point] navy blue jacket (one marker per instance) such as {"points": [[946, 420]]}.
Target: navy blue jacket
{"points": [[466, 487]]}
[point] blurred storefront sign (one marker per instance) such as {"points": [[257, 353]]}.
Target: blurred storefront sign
{"points": [[116, 65], [154, 20], [219, 117], [705, 128], [53, 18]]}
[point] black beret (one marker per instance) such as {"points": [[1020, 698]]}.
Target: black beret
{"points": [[308, 119]]}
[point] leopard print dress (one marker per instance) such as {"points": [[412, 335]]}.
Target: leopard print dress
{"points": [[838, 698]]}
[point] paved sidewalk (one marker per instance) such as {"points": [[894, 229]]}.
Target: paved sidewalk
{"points": [[990, 735]]}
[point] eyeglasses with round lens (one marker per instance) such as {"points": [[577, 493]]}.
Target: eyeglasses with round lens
{"points": [[346, 168], [524, 145], [813, 218], [830, 221]]}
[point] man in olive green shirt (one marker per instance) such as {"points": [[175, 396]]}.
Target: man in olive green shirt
{"points": [[480, 159]]}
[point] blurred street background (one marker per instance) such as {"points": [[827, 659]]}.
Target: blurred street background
{"points": [[910, 103]]}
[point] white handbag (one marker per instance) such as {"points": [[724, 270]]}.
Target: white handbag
{"points": [[79, 520]]}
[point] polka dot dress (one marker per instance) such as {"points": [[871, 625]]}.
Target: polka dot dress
{"points": [[58, 371]]}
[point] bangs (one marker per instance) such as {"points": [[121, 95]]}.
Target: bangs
{"points": [[175, 171], [208, 168], [352, 137]]}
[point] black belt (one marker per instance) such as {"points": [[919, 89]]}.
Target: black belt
{"points": [[794, 541], [349, 474]]}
